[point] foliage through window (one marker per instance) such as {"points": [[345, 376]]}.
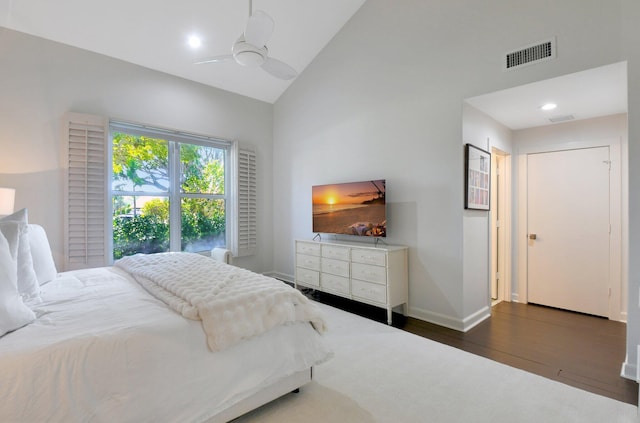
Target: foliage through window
{"points": [[167, 192]]}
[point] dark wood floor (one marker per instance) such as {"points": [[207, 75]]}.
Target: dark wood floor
{"points": [[583, 351]]}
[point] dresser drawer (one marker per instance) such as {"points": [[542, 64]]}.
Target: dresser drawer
{"points": [[307, 277], [308, 248], [309, 262], [367, 272], [369, 257], [335, 252], [333, 283], [335, 267], [369, 291]]}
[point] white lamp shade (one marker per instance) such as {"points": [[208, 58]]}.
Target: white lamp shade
{"points": [[7, 199]]}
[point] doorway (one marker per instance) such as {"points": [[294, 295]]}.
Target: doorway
{"points": [[568, 203], [534, 129], [500, 217], [570, 245]]}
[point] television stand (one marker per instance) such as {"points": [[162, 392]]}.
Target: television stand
{"points": [[369, 274]]}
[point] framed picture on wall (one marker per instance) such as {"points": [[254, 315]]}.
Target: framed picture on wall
{"points": [[477, 181]]}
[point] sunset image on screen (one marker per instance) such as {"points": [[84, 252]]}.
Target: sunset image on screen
{"points": [[355, 208]]}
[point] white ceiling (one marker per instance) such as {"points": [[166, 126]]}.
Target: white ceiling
{"points": [[154, 34], [596, 92]]}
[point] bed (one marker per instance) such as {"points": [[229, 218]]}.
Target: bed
{"points": [[101, 347]]}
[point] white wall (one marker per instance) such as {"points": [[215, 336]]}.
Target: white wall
{"points": [[486, 133], [630, 40], [41, 80], [571, 134], [384, 99]]}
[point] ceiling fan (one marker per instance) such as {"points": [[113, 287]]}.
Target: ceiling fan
{"points": [[250, 48]]}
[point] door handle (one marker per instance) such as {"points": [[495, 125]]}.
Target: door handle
{"points": [[533, 236]]}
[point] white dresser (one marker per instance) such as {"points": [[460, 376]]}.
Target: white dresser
{"points": [[374, 275]]}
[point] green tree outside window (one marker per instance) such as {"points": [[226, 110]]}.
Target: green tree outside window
{"points": [[141, 195]]}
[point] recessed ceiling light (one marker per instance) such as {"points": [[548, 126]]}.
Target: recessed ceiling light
{"points": [[549, 106], [195, 41]]}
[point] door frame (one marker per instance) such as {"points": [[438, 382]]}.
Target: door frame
{"points": [[617, 276], [503, 208]]}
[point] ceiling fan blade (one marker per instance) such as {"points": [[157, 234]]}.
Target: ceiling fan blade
{"points": [[259, 29], [214, 59], [279, 69]]}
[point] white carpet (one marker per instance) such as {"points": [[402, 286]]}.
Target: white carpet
{"points": [[382, 374]]}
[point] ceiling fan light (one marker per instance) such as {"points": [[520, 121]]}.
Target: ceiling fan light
{"points": [[247, 54], [249, 58], [195, 41]]}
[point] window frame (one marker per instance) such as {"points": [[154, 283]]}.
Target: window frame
{"points": [[175, 139]]}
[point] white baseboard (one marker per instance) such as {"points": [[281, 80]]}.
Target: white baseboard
{"points": [[477, 318], [623, 317], [436, 318], [629, 371], [461, 325]]}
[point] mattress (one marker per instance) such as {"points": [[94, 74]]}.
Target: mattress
{"points": [[103, 349]]}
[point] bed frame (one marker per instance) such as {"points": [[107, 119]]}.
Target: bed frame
{"points": [[268, 394]]}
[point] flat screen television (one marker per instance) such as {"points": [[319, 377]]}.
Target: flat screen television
{"points": [[353, 208]]}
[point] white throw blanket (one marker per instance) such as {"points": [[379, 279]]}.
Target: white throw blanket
{"points": [[233, 303]]}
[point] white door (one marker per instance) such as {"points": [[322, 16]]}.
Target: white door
{"points": [[568, 229]]}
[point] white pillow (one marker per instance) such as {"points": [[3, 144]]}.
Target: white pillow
{"points": [[43, 263], [11, 232], [28, 285], [14, 313]]}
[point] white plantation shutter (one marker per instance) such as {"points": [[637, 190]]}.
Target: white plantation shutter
{"points": [[247, 203], [86, 200]]}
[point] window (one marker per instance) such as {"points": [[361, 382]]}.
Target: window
{"points": [[187, 213], [168, 190]]}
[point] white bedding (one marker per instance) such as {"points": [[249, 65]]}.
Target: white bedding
{"points": [[233, 303], [103, 349]]}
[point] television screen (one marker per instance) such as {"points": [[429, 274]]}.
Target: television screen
{"points": [[354, 208]]}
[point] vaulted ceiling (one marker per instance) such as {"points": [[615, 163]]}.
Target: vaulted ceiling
{"points": [[155, 34]]}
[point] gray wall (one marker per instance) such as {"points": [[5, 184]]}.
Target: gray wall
{"points": [[41, 80], [484, 132], [384, 100]]}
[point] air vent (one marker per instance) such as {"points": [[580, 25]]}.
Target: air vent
{"points": [[535, 53], [561, 118]]}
